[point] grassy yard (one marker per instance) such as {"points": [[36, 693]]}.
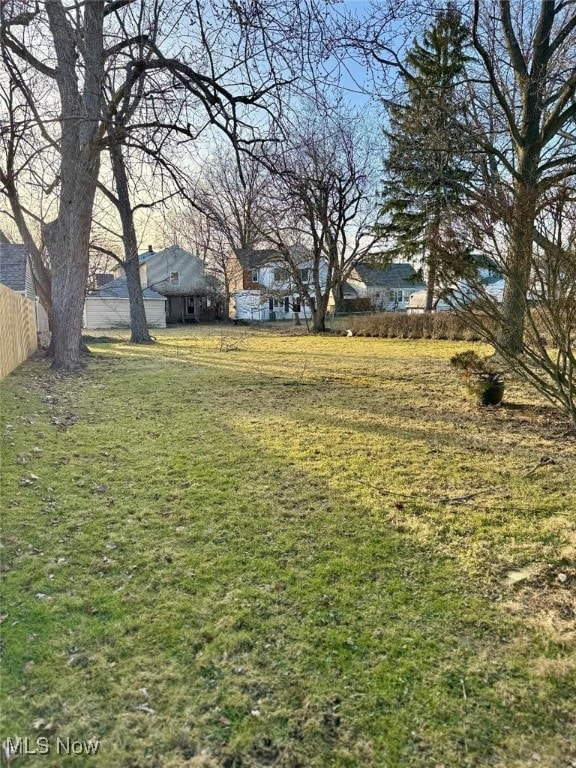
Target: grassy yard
{"points": [[265, 549]]}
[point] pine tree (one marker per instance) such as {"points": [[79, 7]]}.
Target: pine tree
{"points": [[428, 160]]}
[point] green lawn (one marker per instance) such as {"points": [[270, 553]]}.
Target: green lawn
{"points": [[301, 552]]}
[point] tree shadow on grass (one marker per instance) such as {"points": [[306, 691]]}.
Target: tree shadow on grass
{"points": [[251, 607]]}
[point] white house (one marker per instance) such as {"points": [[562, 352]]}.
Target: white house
{"points": [[389, 289], [264, 288]]}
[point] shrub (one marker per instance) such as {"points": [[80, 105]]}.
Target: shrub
{"points": [[401, 325]]}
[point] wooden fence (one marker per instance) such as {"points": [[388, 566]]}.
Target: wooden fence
{"points": [[18, 339]]}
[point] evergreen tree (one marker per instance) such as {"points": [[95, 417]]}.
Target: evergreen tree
{"points": [[428, 160]]}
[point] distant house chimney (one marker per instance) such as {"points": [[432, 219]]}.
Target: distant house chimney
{"points": [[150, 249]]}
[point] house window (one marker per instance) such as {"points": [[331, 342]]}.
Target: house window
{"points": [[174, 278], [305, 275], [296, 305], [189, 305], [396, 297], [255, 276]]}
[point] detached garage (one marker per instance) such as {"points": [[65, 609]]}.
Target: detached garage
{"points": [[108, 307]]}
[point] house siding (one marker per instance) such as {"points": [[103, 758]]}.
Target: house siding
{"points": [[42, 325], [120, 274], [191, 272], [381, 296], [115, 313], [248, 305]]}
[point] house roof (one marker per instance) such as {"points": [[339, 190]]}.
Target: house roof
{"points": [[349, 292], [118, 289], [250, 259], [253, 259], [208, 286], [392, 276], [172, 251], [13, 262]]}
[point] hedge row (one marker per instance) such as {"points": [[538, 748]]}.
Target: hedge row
{"points": [[400, 325]]}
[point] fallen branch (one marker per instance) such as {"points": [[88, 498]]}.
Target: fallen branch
{"points": [[544, 462], [466, 496]]}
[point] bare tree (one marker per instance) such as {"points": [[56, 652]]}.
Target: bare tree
{"points": [[226, 210], [323, 197], [548, 359], [24, 165], [234, 62], [529, 57]]}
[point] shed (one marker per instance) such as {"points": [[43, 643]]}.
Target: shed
{"points": [[109, 307]]}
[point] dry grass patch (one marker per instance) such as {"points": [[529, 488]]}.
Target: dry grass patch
{"points": [[288, 551]]}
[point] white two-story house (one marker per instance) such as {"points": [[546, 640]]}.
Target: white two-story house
{"points": [[264, 287]]}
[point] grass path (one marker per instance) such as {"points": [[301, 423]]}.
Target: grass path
{"points": [[306, 552]]}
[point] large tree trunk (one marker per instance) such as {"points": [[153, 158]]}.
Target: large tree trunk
{"points": [[138, 323], [67, 238], [338, 297], [518, 267], [319, 309]]}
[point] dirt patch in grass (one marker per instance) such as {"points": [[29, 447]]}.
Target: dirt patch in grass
{"points": [[548, 599]]}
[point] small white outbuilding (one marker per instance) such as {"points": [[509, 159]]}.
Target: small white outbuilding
{"points": [[109, 307]]}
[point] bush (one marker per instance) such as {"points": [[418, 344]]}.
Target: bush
{"points": [[401, 325]]}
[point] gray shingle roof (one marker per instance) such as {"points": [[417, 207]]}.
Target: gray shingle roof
{"points": [[250, 259], [253, 259], [171, 251], [393, 276], [118, 289], [13, 261]]}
